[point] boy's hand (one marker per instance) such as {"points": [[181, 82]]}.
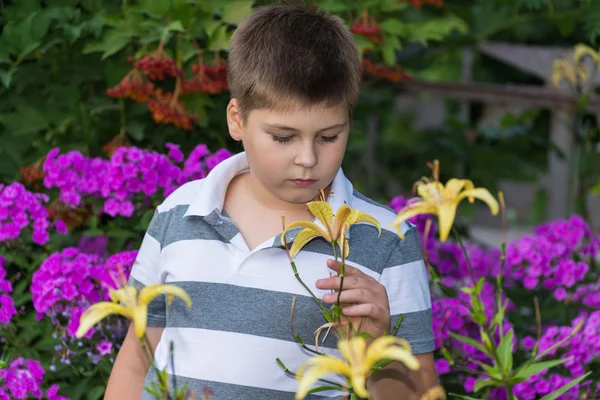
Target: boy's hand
{"points": [[362, 297]]}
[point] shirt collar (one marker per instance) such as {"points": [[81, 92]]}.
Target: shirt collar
{"points": [[211, 195]]}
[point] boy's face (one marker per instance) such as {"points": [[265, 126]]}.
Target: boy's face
{"points": [[292, 155]]}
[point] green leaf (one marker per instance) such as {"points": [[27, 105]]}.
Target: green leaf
{"points": [[388, 49], [591, 27], [363, 43], [394, 5], [6, 77], [155, 8], [533, 4], [24, 121], [595, 189], [482, 383], [175, 26], [96, 393], [505, 350], [463, 397], [188, 51], [235, 11], [470, 341], [219, 39], [435, 29], [393, 26], [112, 43], [333, 6], [532, 369], [553, 396], [135, 129]]}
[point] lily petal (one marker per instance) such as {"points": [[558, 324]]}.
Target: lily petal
{"points": [[412, 210], [483, 195], [97, 313], [446, 214], [307, 225], [302, 239], [431, 192], [454, 187], [390, 347], [140, 319], [399, 354], [125, 295], [582, 50], [341, 216], [322, 211], [353, 350], [359, 385], [316, 368], [149, 292], [364, 217]]}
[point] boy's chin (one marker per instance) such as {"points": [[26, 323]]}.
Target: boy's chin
{"points": [[300, 195]]}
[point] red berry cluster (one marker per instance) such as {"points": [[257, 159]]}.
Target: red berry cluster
{"points": [[156, 65], [134, 87], [368, 27], [395, 74], [419, 3], [167, 109], [207, 79]]}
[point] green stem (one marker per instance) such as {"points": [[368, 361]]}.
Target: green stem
{"points": [[464, 250], [287, 371], [510, 392], [397, 325], [342, 274], [315, 298]]}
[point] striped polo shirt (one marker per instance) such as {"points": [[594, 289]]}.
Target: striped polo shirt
{"points": [[239, 322]]}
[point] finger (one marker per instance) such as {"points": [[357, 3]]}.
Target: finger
{"points": [[348, 269], [358, 296], [368, 310], [350, 282]]}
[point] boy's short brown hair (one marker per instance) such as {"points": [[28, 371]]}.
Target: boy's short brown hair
{"points": [[286, 55]]}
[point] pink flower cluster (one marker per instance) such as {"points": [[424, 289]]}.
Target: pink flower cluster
{"points": [[555, 258], [7, 306], [129, 172], [18, 209], [22, 379], [67, 283], [583, 348]]}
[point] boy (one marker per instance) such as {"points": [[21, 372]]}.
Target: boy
{"points": [[294, 79]]}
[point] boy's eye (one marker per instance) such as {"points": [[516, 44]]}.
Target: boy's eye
{"points": [[281, 139]]}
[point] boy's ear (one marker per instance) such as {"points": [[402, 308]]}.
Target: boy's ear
{"points": [[234, 120]]}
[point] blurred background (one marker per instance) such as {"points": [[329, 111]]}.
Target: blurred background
{"points": [[502, 92]]}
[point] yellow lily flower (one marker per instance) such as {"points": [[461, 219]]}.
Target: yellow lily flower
{"points": [[131, 306], [582, 51], [357, 363], [344, 218], [440, 200]]}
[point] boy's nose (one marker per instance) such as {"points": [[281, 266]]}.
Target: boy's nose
{"points": [[307, 157]]}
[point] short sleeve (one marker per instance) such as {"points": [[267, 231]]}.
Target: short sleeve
{"points": [[405, 279], [146, 269]]}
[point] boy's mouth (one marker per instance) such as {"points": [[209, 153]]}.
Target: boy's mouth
{"points": [[303, 182]]}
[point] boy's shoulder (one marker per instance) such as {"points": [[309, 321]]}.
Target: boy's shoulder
{"points": [[384, 214], [182, 196]]}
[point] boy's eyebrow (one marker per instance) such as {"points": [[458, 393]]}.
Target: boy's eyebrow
{"points": [[289, 128]]}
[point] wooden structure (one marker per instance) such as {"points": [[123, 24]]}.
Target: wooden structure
{"points": [[561, 102]]}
